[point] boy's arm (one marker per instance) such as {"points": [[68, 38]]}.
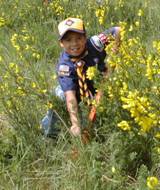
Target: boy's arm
{"points": [[101, 40], [72, 107], [117, 39]]}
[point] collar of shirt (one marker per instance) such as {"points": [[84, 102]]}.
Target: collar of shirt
{"points": [[66, 57]]}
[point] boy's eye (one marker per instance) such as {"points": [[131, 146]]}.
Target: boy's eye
{"points": [[68, 39]]}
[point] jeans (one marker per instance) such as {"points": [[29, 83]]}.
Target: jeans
{"points": [[50, 119]]}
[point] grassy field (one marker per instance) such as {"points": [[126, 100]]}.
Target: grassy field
{"points": [[125, 153]]}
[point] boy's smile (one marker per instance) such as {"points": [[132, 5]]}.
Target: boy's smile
{"points": [[74, 43]]}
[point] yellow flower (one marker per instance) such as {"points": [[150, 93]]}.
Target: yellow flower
{"points": [[38, 56], [20, 91], [25, 38], [2, 21], [34, 85], [141, 110], [91, 72], [9, 103], [11, 65], [100, 20], [100, 13], [146, 123], [49, 105], [156, 45], [94, 102], [157, 135], [97, 12], [54, 77], [44, 91], [137, 23], [152, 182], [110, 92], [158, 150], [124, 126], [140, 12], [27, 47], [20, 79], [17, 47], [113, 169], [131, 28], [121, 3], [122, 32], [34, 54], [16, 70]]}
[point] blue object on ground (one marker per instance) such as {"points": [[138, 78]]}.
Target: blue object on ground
{"points": [[49, 121], [48, 124]]}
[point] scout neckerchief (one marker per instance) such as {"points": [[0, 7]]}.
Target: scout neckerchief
{"points": [[85, 93]]}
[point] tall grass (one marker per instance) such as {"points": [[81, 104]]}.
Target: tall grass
{"points": [[29, 50]]}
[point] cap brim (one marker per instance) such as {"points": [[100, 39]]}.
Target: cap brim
{"points": [[72, 30]]}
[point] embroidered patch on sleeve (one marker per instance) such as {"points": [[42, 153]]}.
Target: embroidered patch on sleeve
{"points": [[63, 70]]}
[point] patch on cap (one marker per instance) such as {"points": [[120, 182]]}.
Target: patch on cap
{"points": [[69, 22]]}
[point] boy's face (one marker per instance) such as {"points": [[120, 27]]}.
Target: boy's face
{"points": [[74, 43]]}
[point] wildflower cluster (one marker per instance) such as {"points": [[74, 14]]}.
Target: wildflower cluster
{"points": [[121, 3], [156, 45], [124, 125], [57, 8], [152, 182], [140, 12], [141, 110], [100, 14], [129, 104], [23, 43], [91, 73], [2, 21], [152, 67]]}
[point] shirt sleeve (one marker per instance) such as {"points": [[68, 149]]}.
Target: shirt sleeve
{"points": [[113, 31], [66, 77], [67, 83], [99, 41], [97, 56]]}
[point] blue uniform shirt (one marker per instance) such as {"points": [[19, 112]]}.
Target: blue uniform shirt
{"points": [[95, 55]]}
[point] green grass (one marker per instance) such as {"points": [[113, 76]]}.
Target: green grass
{"points": [[123, 160]]}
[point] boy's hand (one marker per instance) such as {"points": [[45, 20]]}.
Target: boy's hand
{"points": [[75, 131], [115, 49]]}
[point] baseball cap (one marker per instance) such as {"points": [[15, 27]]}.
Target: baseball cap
{"points": [[70, 24]]}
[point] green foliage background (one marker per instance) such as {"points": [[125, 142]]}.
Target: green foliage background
{"points": [[29, 50]]}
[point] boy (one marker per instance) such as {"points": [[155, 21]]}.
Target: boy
{"points": [[79, 54]]}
